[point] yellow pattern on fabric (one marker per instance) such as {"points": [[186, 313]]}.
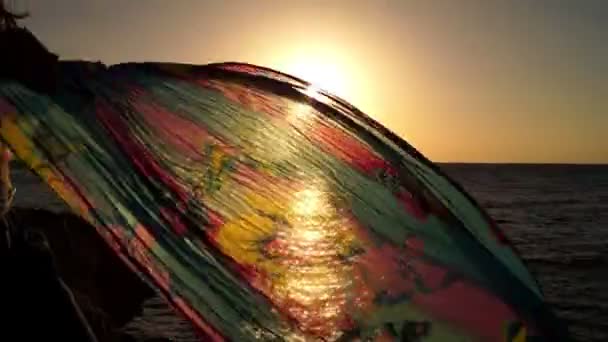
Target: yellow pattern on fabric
{"points": [[241, 238], [521, 335], [22, 146]]}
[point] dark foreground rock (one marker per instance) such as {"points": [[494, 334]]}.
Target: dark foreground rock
{"points": [[109, 294]]}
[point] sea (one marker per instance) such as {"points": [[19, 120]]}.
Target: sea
{"points": [[556, 216]]}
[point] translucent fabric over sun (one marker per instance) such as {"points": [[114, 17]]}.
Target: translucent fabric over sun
{"points": [[265, 210]]}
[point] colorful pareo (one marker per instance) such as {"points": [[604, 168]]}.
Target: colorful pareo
{"points": [[265, 210]]}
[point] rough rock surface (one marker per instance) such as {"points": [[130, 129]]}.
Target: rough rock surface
{"points": [[109, 294]]}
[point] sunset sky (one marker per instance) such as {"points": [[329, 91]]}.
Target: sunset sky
{"points": [[464, 81]]}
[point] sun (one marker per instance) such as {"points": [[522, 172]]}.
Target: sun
{"points": [[324, 74], [329, 67]]}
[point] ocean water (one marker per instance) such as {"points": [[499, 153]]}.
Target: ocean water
{"points": [[556, 216]]}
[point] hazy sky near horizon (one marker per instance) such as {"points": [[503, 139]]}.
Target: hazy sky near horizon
{"points": [[474, 81]]}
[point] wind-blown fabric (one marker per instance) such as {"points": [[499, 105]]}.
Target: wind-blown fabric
{"points": [[264, 209]]}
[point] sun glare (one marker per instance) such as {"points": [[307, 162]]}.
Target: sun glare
{"points": [[330, 68], [325, 75]]}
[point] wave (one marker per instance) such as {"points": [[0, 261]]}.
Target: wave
{"points": [[492, 204], [589, 260]]}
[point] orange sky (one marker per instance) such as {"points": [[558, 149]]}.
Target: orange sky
{"points": [[467, 81]]}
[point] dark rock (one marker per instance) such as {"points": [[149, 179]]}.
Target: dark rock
{"points": [[108, 292], [25, 59]]}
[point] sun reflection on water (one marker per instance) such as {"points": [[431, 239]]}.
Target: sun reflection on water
{"points": [[296, 237], [309, 203], [316, 278]]}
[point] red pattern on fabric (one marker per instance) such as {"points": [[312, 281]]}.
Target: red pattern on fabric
{"points": [[252, 99], [383, 271], [468, 307], [350, 149], [174, 220], [411, 205], [414, 246], [174, 130], [141, 157], [379, 270], [6, 107], [210, 334]]}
